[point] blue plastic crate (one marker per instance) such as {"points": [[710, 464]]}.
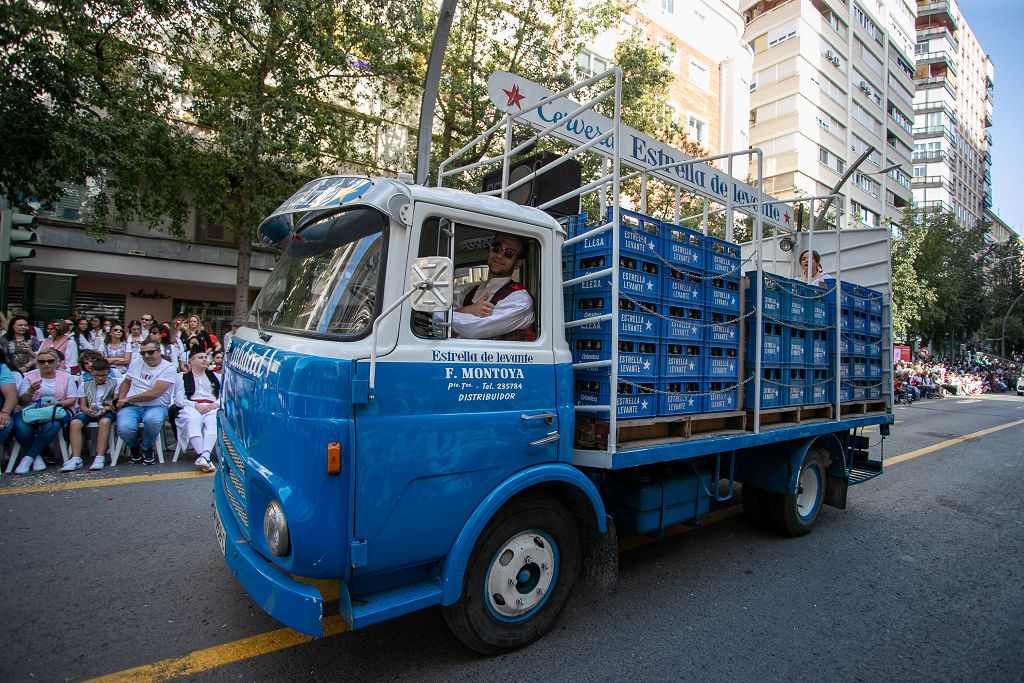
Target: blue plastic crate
{"points": [[819, 386], [723, 258], [683, 286], [722, 362], [798, 304], [794, 345], [681, 322], [874, 302], [855, 344], [683, 246], [722, 294], [722, 327], [819, 347], [682, 359], [874, 324], [856, 321], [774, 299], [821, 307], [873, 391], [721, 395], [794, 393], [638, 357], [637, 317], [639, 235], [771, 388], [771, 342], [874, 368], [874, 348], [637, 277], [636, 398], [681, 396], [858, 367]]}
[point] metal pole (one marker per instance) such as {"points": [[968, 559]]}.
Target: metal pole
{"points": [[728, 205], [1002, 344], [758, 308], [819, 220], [430, 89], [616, 221], [6, 225]]}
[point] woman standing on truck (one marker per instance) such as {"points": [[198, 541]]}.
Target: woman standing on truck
{"points": [[816, 275]]}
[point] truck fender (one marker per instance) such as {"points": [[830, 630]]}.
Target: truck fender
{"points": [[777, 467], [454, 569]]}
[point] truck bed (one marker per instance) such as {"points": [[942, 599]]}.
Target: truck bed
{"points": [[659, 446]]}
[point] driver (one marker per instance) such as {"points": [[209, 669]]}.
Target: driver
{"points": [[500, 308]]}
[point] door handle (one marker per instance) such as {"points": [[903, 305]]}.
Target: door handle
{"points": [[550, 438], [547, 417]]}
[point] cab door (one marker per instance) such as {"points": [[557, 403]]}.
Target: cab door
{"points": [[450, 418]]}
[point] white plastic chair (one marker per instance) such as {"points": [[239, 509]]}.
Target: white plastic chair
{"points": [[16, 450], [120, 446]]}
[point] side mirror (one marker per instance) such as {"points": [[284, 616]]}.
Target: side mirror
{"points": [[431, 278]]}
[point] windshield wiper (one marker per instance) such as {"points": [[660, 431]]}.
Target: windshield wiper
{"points": [[259, 325]]}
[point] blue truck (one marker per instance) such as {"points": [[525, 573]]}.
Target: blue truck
{"points": [[367, 439]]}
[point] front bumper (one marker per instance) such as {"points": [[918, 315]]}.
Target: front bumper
{"points": [[290, 602]]}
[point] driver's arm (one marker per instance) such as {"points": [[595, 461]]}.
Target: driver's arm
{"points": [[514, 312]]}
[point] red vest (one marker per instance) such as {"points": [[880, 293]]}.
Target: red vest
{"points": [[528, 333]]}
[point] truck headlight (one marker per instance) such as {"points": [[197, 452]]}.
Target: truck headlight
{"points": [[275, 529]]}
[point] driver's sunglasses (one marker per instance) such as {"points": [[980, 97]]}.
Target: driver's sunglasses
{"points": [[498, 249]]}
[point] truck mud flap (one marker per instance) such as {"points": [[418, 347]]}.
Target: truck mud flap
{"points": [[601, 558], [835, 491]]}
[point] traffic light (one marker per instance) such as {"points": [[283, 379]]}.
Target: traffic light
{"points": [[15, 230]]}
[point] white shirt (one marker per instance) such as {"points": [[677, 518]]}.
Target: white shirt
{"points": [[144, 378], [48, 390], [203, 391], [514, 312]]}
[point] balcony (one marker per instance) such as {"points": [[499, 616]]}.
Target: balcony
{"points": [[937, 205], [986, 199], [936, 82], [988, 176], [988, 118], [934, 132], [932, 14], [987, 156], [900, 177], [921, 182], [940, 33], [988, 137], [928, 107], [941, 57], [925, 157]]}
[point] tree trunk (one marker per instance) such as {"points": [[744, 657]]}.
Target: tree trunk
{"points": [[242, 273]]}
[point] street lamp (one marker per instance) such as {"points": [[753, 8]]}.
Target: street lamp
{"points": [[1002, 346], [819, 220], [430, 88]]}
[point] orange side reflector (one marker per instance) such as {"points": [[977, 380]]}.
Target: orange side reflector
{"points": [[334, 458]]}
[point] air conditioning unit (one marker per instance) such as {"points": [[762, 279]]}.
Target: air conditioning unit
{"points": [[829, 55], [835, 60], [864, 88]]}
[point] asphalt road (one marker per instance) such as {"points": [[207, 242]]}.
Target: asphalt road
{"points": [[920, 578]]}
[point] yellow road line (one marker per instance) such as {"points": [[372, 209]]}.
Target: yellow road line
{"points": [[284, 638], [949, 442], [99, 483], [221, 655]]}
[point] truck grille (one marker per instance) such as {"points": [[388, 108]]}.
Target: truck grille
{"points": [[233, 485]]}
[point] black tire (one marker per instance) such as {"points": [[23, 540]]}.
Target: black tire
{"points": [[795, 515], [475, 619]]}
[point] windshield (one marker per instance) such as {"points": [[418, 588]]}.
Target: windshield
{"points": [[328, 277]]}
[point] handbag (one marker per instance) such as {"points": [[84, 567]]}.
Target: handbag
{"points": [[40, 414]]}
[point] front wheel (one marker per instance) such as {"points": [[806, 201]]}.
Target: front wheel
{"points": [[795, 515], [519, 577]]}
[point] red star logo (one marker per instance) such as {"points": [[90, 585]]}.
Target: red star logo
{"points": [[786, 216], [514, 96]]}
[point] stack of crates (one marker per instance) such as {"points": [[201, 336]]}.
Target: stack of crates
{"points": [[796, 342], [861, 343], [678, 318], [639, 320]]}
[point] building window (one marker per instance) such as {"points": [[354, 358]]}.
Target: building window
{"points": [[668, 6], [697, 129], [591, 63], [671, 55], [699, 74]]}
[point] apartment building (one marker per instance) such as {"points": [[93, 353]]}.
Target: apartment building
{"points": [[834, 79], [703, 39], [952, 115]]}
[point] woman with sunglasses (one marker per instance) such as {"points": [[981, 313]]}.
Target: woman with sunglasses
{"points": [[116, 349], [48, 385], [60, 339], [205, 340], [20, 344], [170, 349]]}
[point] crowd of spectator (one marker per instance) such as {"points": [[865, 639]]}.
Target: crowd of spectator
{"points": [[84, 370], [926, 379]]}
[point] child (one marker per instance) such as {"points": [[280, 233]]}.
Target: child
{"points": [[95, 405]]}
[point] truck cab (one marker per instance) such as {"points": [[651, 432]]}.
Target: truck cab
{"points": [[388, 488]]}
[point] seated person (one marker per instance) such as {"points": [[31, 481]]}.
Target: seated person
{"points": [[95, 405], [197, 397], [48, 386], [500, 308], [144, 396]]}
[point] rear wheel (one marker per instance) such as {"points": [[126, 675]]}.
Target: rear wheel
{"points": [[519, 577], [795, 515]]}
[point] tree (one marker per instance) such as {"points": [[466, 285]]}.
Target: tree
{"points": [[1004, 286], [911, 295]]}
